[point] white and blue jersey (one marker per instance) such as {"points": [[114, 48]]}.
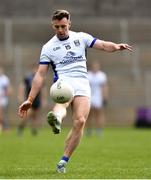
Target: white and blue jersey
{"points": [[4, 85], [67, 57], [97, 81], [68, 60]]}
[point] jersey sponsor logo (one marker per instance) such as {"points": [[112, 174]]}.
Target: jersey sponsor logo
{"points": [[77, 42], [71, 57]]}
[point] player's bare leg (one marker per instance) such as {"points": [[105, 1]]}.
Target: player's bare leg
{"points": [[23, 124], [35, 118], [100, 120], [80, 107], [89, 124], [56, 116]]}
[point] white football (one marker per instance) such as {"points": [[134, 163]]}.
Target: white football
{"points": [[61, 92]]}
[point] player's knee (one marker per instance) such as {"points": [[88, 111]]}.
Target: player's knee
{"points": [[80, 122]]}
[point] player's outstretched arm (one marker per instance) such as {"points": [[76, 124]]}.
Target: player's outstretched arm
{"points": [[110, 46], [37, 84]]}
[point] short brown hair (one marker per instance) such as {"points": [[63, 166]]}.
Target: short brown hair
{"points": [[60, 14]]}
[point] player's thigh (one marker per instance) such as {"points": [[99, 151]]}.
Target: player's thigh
{"points": [[80, 107]]}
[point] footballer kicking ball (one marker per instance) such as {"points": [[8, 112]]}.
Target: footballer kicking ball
{"points": [[61, 92]]}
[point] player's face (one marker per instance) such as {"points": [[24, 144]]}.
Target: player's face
{"points": [[61, 27]]}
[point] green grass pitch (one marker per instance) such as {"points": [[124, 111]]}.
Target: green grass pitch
{"points": [[118, 153]]}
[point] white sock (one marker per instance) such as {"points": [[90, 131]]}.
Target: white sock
{"points": [[59, 117]]}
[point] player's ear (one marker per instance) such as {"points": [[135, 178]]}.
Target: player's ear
{"points": [[51, 24], [69, 24]]}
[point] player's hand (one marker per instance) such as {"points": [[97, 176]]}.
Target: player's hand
{"points": [[24, 107], [124, 46]]}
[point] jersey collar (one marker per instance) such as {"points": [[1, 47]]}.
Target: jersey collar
{"points": [[64, 38]]}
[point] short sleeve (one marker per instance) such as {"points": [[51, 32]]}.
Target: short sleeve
{"points": [[88, 39], [44, 56]]}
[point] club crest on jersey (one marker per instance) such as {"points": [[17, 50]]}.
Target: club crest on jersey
{"points": [[77, 42]]}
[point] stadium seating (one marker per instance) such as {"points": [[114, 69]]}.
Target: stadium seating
{"points": [[23, 31]]}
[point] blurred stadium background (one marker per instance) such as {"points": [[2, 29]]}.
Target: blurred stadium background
{"points": [[25, 27]]}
